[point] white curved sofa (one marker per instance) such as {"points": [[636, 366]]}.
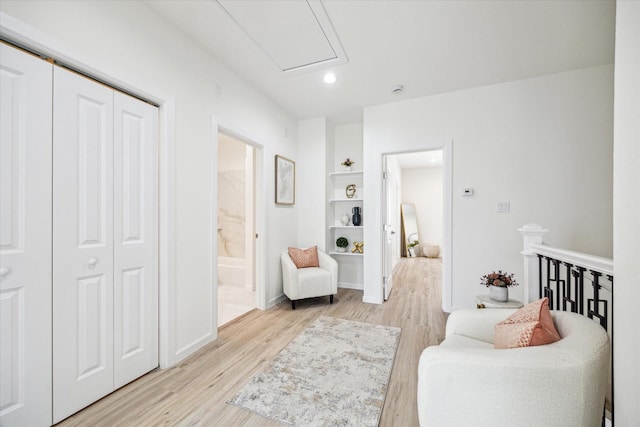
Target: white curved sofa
{"points": [[465, 381]]}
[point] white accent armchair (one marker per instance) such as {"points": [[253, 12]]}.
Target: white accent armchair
{"points": [[465, 381], [300, 283]]}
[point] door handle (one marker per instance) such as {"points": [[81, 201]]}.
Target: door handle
{"points": [[393, 232], [92, 262], [4, 271]]}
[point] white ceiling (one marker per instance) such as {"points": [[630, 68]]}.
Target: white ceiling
{"points": [[297, 36], [429, 47]]}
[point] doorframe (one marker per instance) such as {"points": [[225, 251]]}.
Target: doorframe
{"points": [[447, 219], [167, 286], [259, 207]]}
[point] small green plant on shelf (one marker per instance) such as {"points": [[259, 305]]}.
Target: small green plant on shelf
{"points": [[342, 243]]}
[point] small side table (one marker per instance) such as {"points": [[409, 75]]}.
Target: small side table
{"points": [[483, 301]]}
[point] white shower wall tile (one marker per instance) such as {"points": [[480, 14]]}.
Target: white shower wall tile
{"points": [[231, 213]]}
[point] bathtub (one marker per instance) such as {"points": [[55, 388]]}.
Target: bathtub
{"points": [[232, 272]]}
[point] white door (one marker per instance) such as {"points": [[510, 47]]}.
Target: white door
{"points": [[105, 217], [82, 242], [25, 239], [135, 239], [388, 232]]}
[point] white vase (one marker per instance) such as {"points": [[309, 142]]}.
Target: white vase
{"points": [[345, 219], [499, 293], [342, 249], [348, 168]]}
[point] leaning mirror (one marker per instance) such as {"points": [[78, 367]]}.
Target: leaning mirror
{"points": [[409, 230]]}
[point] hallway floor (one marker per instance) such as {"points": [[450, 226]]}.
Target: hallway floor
{"points": [[195, 391]]}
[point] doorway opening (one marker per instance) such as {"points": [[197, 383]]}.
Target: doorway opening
{"points": [[413, 209], [236, 228]]}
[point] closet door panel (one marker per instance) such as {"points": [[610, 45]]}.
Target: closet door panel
{"points": [[25, 239], [82, 242], [135, 238]]}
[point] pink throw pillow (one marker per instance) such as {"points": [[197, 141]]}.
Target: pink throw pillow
{"points": [[304, 258], [531, 325]]}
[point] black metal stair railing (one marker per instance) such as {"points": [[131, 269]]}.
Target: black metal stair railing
{"points": [[581, 290], [564, 284]]}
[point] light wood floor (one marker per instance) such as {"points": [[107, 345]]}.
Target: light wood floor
{"points": [[194, 393]]}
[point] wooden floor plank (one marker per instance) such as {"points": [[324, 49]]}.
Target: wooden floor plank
{"points": [[195, 392]]}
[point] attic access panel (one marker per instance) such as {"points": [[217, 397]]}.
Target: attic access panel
{"points": [[295, 35]]}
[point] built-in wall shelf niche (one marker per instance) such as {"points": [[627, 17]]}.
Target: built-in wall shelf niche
{"points": [[349, 174], [344, 200], [344, 195], [348, 253]]}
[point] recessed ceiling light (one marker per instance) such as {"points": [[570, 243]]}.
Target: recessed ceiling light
{"points": [[329, 78]]}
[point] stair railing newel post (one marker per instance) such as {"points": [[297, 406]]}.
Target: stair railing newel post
{"points": [[532, 234]]}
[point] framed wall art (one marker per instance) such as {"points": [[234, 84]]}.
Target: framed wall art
{"points": [[285, 181]]}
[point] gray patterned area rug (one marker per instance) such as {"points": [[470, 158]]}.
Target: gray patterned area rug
{"points": [[335, 373]]}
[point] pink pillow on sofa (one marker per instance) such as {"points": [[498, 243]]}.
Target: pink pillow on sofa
{"points": [[304, 258], [529, 326]]}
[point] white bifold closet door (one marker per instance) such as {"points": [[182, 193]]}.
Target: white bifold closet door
{"points": [[25, 239], [105, 282]]}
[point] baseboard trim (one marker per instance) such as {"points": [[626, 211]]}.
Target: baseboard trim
{"points": [[276, 300], [347, 285], [194, 346], [371, 300]]}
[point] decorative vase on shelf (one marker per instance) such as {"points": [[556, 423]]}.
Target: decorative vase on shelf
{"points": [[342, 249], [356, 218], [347, 168], [345, 219], [499, 293]]}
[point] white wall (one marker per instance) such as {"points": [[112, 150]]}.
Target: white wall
{"points": [[328, 193], [348, 143], [626, 193], [311, 182], [511, 142], [128, 44], [423, 188]]}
